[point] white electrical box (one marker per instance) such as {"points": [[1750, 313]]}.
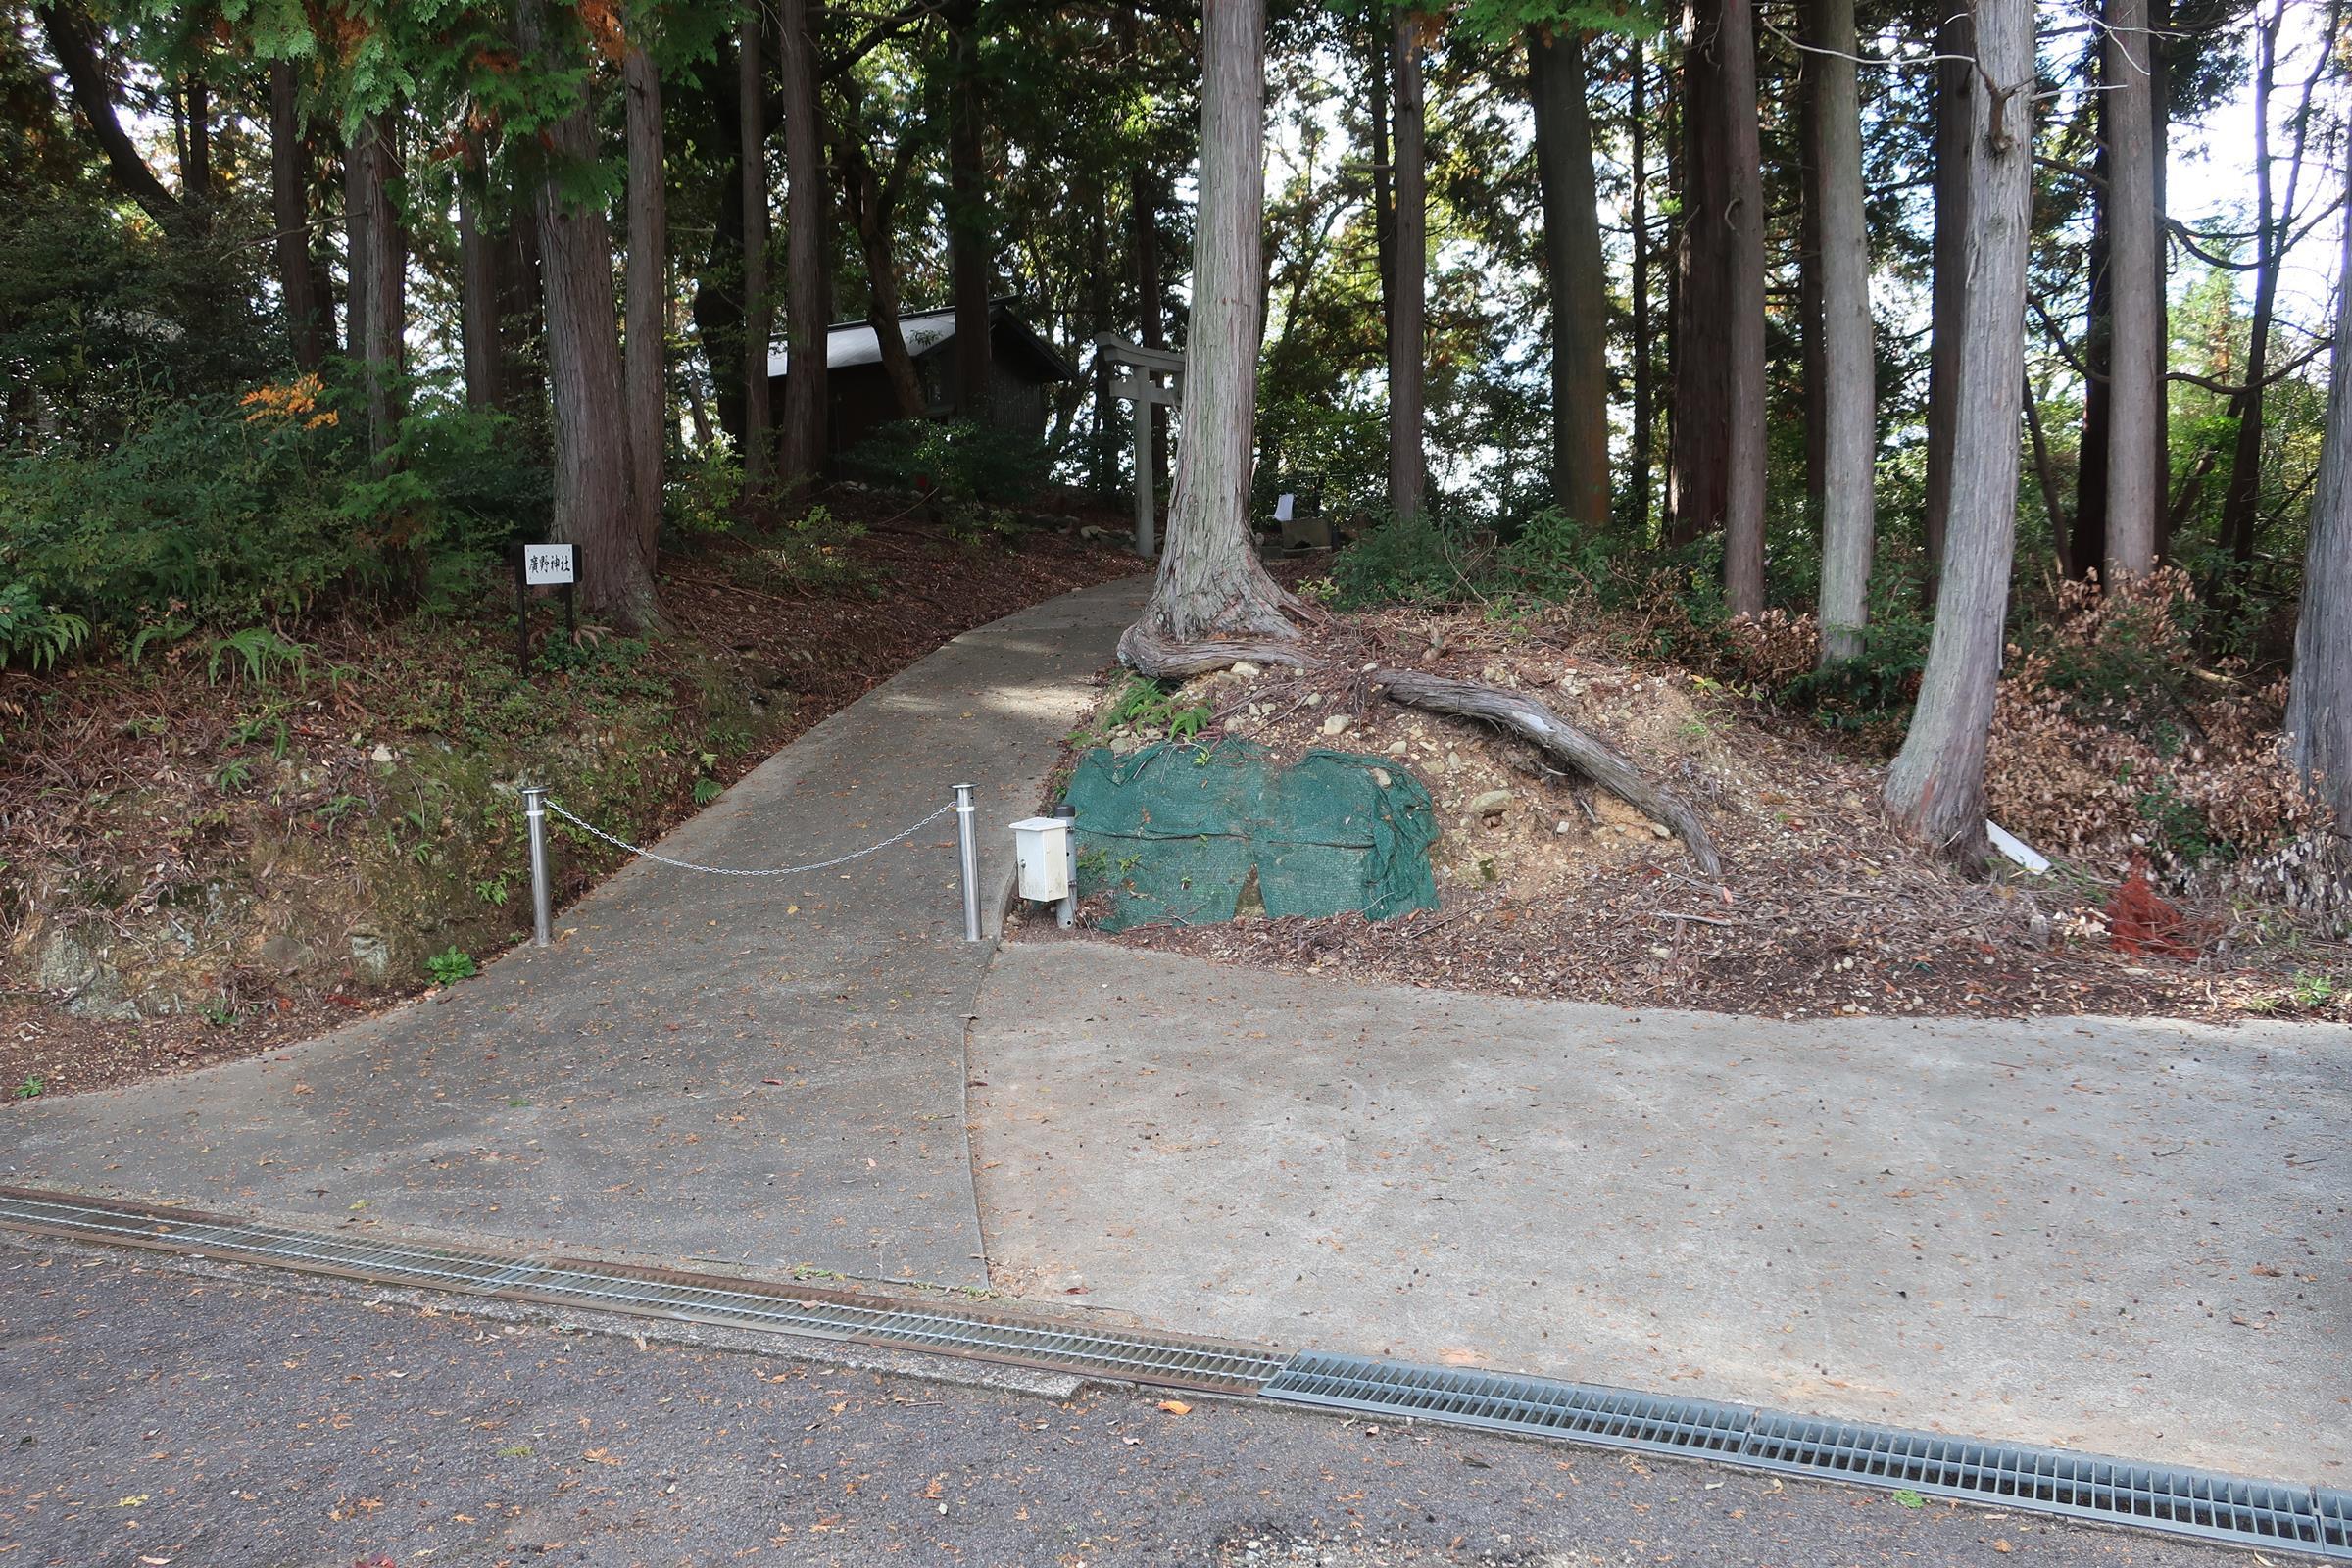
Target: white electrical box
{"points": [[1042, 851]]}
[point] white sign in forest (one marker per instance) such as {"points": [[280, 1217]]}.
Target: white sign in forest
{"points": [[546, 564]]}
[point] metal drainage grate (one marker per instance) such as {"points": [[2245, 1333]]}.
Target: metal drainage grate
{"points": [[2335, 1521], [827, 1314], [2079, 1485]]}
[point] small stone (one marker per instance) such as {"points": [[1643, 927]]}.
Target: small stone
{"points": [[1314, 699], [1337, 725], [1453, 761], [382, 753], [1660, 830], [1243, 668], [1400, 748], [1380, 778], [1661, 953], [1561, 827], [1492, 803]]}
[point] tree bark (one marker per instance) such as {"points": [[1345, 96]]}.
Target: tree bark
{"points": [[805, 315], [1151, 305], [1409, 461], [1848, 357], [645, 347], [2319, 709], [378, 266], [2135, 374], [1574, 271], [759, 302], [1719, 321], [593, 493], [1645, 432], [970, 238], [871, 202], [76, 54], [1812, 377], [1935, 786], [290, 215], [1384, 170], [1954, 42], [1210, 582], [2090, 545], [484, 344]]}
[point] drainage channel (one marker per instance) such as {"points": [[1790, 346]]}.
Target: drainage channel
{"points": [[2224, 1509], [1201, 1365]]}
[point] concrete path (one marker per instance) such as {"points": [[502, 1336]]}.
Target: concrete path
{"points": [[2124, 1237], [764, 1071]]}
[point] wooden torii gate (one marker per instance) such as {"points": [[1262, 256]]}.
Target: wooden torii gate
{"points": [[1139, 382]]}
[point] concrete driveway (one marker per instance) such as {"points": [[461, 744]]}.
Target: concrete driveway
{"points": [[2126, 1238]]}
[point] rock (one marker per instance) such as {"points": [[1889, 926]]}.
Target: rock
{"points": [[1561, 827], [1400, 748], [1380, 776], [1453, 761], [1659, 830], [1121, 745], [1492, 803], [1242, 667], [382, 754], [87, 970], [1314, 699], [1337, 725], [370, 954]]}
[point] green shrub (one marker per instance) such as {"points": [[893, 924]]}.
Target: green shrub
{"points": [[1407, 560], [243, 510], [955, 459], [451, 967], [33, 633]]}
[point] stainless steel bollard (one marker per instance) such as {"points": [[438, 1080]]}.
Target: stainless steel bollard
{"points": [[969, 847], [534, 816]]}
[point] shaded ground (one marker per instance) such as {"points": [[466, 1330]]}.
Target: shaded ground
{"points": [[757, 1070], [226, 837], [155, 1418], [2122, 1238]]}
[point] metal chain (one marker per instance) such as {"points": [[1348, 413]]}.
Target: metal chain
{"points": [[725, 871]]}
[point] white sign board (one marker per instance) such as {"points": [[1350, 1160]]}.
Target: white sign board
{"points": [[546, 564], [1284, 504]]}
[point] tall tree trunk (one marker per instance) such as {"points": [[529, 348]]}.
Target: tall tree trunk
{"points": [[2136, 377], [77, 57], [1210, 581], [1384, 168], [1409, 461], [378, 264], [1812, 377], [484, 342], [871, 202], [806, 316], [2318, 707], [522, 308], [1935, 786], [1573, 266], [196, 170], [971, 230], [1719, 370], [1103, 452], [1151, 323], [1644, 433], [2090, 545], [1956, 42], [758, 300], [644, 348], [592, 489], [1849, 379], [290, 215]]}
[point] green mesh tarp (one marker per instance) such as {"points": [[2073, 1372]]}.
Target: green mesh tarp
{"points": [[1178, 833]]}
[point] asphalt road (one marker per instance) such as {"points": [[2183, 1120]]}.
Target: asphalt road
{"points": [[152, 1416]]}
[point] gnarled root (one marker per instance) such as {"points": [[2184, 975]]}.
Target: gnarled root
{"points": [[1534, 722], [1148, 651]]}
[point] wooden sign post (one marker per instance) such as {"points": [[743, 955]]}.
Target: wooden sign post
{"points": [[535, 567], [1140, 385]]}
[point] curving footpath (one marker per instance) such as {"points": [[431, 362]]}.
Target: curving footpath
{"points": [[763, 1072]]}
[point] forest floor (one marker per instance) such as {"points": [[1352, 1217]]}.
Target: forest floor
{"points": [[1550, 888], [197, 865]]}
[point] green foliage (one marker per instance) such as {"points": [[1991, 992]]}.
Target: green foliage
{"points": [[1407, 560], [1146, 704], [450, 966], [1876, 687], [260, 654], [30, 1089], [955, 460], [808, 554], [234, 510], [702, 492], [35, 634]]}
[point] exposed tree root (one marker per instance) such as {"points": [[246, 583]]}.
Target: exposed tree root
{"points": [[1148, 651]]}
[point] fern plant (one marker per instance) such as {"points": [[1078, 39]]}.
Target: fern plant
{"points": [[37, 633]]}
